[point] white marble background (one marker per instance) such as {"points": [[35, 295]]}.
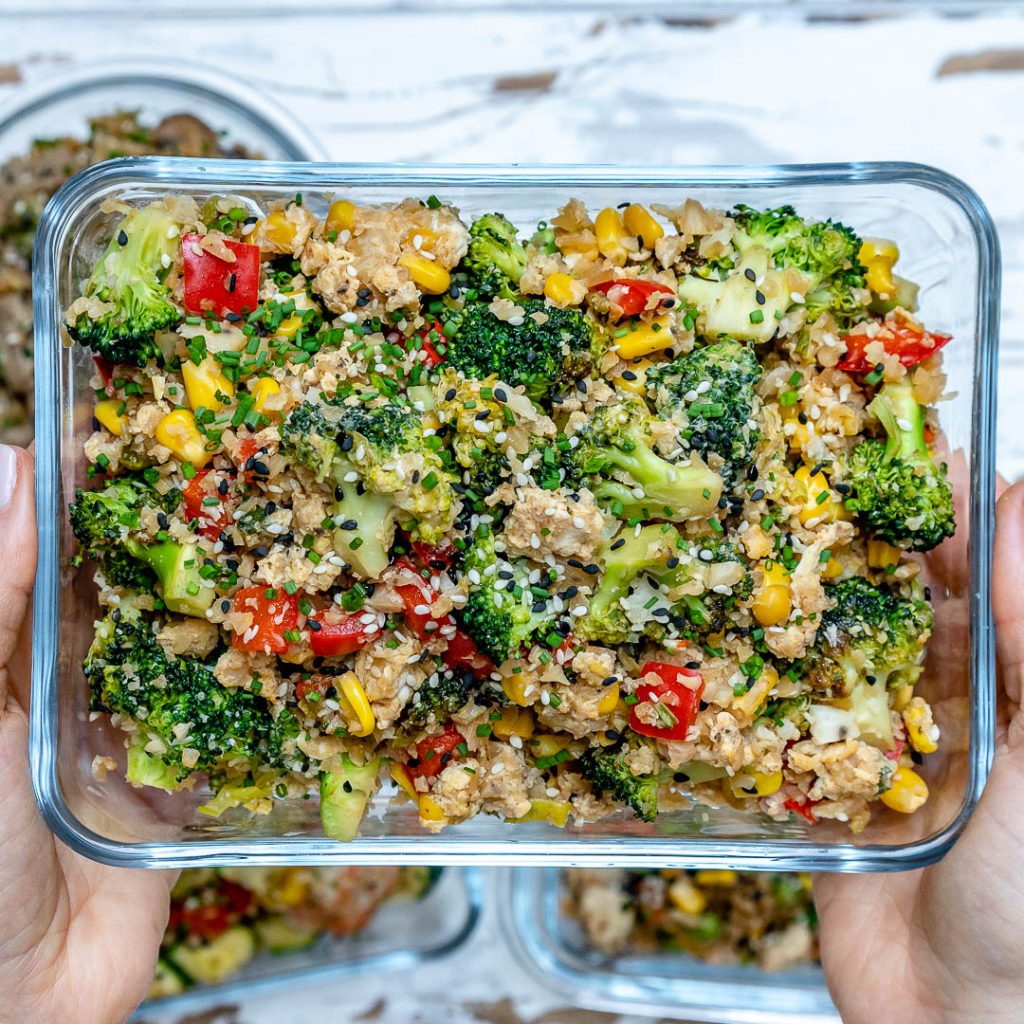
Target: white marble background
{"points": [[597, 83]]}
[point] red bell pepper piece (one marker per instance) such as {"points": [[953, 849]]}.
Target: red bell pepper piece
{"points": [[314, 684], [910, 345], [805, 808], [436, 558], [632, 296], [239, 899], [433, 357], [214, 286], [332, 633], [272, 617], [206, 921], [213, 518], [430, 753], [674, 704], [463, 653], [106, 371]]}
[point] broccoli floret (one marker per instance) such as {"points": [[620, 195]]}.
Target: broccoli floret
{"points": [[608, 772], [900, 494], [474, 415], [869, 641], [546, 358], [719, 418], [441, 699], [129, 279], [130, 674], [615, 458], [104, 522], [699, 616], [495, 260], [383, 475], [498, 613]]}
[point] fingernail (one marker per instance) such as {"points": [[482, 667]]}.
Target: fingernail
{"points": [[8, 474]]}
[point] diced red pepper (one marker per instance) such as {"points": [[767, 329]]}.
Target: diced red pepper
{"points": [[213, 518], [332, 633], [430, 753], [427, 346], [214, 286], [239, 899], [248, 449], [314, 684], [206, 921], [463, 653], [272, 617], [632, 296], [910, 345], [675, 702], [805, 808], [896, 752], [106, 371], [436, 558], [417, 594]]}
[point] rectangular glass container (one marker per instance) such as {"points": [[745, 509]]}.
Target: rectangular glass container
{"points": [[948, 245], [553, 950]]}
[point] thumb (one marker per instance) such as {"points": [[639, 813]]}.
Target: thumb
{"points": [[17, 559], [1007, 594]]}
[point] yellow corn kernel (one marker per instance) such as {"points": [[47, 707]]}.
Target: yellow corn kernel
{"points": [[879, 255], [686, 897], [204, 382], [341, 216], [882, 555], [430, 809], [354, 695], [833, 568], [293, 888], [426, 274], [610, 701], [642, 225], [262, 390], [720, 877], [554, 812], [908, 792], [801, 433], [289, 327], [915, 717], [514, 721], [426, 237], [819, 503], [403, 779], [762, 785], [547, 745], [108, 416], [773, 603], [278, 230], [178, 431], [747, 703], [902, 696], [563, 290], [644, 337], [515, 690], [636, 382], [610, 230]]}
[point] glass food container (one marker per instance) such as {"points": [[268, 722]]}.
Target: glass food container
{"points": [[551, 947], [949, 246]]}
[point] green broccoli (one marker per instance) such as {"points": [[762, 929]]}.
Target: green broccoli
{"points": [[104, 522], [716, 385], [440, 697], [128, 281], [496, 259], [232, 731], [607, 772], [869, 641], [499, 613], [699, 616], [615, 458], [900, 494], [547, 358]]}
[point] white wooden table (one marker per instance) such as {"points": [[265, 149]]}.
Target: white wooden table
{"points": [[475, 85]]}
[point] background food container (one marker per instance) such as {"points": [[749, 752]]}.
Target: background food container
{"points": [[949, 247], [403, 934], [552, 948]]}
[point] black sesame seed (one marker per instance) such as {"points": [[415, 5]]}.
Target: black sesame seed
{"points": [[116, 614], [757, 494], [672, 562], [581, 386], [759, 297], [802, 417], [500, 395], [592, 569], [232, 281], [122, 237], [618, 544], [751, 472], [749, 274], [668, 303], [260, 468], [450, 394], [539, 606], [628, 375], [482, 414], [415, 476], [574, 562], [817, 469], [347, 786], [232, 318], [927, 593], [842, 488], [222, 487], [570, 592], [693, 664], [260, 551], [345, 443], [225, 606], [314, 625], [270, 508], [349, 524]]}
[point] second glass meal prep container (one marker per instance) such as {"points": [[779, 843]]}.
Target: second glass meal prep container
{"points": [[948, 246]]}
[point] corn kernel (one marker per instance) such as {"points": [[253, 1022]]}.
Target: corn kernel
{"points": [[341, 216], [178, 431], [917, 719], [430, 809], [720, 877], [882, 555], [262, 391], [643, 338], [426, 274], [279, 231], [403, 779], [686, 897], [514, 721], [564, 290], [203, 384], [773, 603], [908, 792], [515, 690], [547, 745], [879, 255], [108, 416], [833, 568], [819, 503], [747, 703], [751, 783], [636, 384], [642, 225], [610, 231], [353, 694], [902, 696], [554, 812], [292, 889], [610, 701], [801, 434]]}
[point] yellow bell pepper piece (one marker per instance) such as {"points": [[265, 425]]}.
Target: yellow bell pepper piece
{"points": [[108, 415], [279, 231], [763, 784], [915, 715], [515, 690], [204, 383], [430, 809], [773, 602], [723, 878], [178, 431], [427, 275], [340, 217], [293, 889], [879, 256], [403, 779], [547, 745], [908, 792], [644, 337], [554, 812], [639, 223], [610, 231], [882, 555], [564, 290], [819, 503], [351, 690], [262, 390], [514, 721], [747, 703], [634, 376], [686, 897], [610, 701]]}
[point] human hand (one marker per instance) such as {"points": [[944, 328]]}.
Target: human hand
{"points": [[946, 944], [78, 941]]}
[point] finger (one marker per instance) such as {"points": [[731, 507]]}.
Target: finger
{"points": [[18, 547], [1007, 593]]}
